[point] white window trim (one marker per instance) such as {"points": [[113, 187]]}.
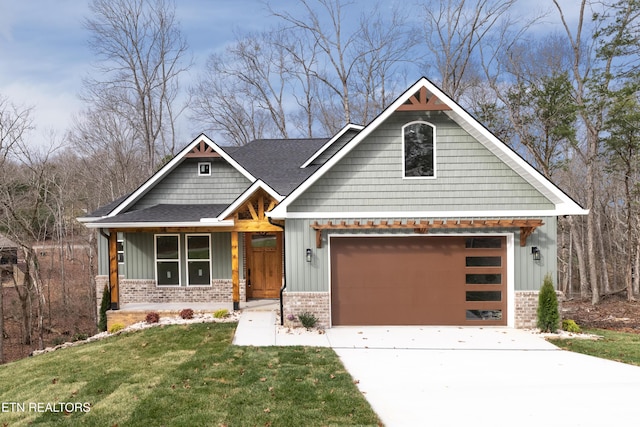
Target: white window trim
{"points": [[435, 157], [155, 256], [204, 163], [186, 245], [120, 252]]}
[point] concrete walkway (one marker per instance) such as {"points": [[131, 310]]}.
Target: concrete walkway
{"points": [[452, 376]]}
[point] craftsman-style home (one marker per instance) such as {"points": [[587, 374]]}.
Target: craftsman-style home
{"points": [[421, 217]]}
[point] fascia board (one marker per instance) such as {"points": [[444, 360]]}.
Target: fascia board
{"points": [[246, 195], [436, 214], [204, 222], [158, 176], [337, 136]]}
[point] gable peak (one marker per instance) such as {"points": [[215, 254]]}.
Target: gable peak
{"points": [[202, 149], [423, 100]]}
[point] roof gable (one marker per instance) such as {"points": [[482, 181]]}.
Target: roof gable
{"points": [[425, 96], [201, 146]]}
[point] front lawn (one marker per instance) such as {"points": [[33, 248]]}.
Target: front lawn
{"points": [[186, 375], [619, 346]]}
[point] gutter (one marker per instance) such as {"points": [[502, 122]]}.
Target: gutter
{"points": [[284, 272]]}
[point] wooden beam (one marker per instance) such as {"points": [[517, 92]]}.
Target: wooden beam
{"points": [[246, 225], [113, 270], [252, 211], [235, 270]]}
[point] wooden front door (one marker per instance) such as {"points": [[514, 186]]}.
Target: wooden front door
{"points": [[264, 265]]}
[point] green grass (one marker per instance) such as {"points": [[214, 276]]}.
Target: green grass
{"points": [[619, 346], [188, 375]]}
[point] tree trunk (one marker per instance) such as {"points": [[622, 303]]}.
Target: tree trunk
{"points": [[582, 269]]}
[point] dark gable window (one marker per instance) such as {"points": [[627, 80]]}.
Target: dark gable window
{"points": [[419, 150]]}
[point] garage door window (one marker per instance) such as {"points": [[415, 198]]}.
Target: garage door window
{"points": [[484, 279]]}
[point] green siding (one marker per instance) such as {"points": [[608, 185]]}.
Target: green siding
{"points": [[184, 186], [302, 276], [468, 176], [140, 258]]}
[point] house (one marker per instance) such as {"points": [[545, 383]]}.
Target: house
{"points": [[420, 217]]}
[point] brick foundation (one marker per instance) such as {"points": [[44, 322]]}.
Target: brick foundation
{"points": [[316, 303], [527, 308], [146, 291]]}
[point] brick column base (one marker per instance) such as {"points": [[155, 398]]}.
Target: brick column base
{"points": [[316, 303], [527, 308]]}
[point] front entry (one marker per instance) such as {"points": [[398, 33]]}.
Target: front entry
{"points": [[264, 264]]}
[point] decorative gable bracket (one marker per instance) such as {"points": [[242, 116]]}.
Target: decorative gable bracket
{"points": [[423, 100], [202, 150], [526, 226]]}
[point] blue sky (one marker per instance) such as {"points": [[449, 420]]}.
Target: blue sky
{"points": [[44, 53]]}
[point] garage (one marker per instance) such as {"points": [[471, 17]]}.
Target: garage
{"points": [[418, 280]]}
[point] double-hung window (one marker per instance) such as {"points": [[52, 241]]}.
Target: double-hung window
{"points": [[198, 259], [168, 259], [419, 144]]}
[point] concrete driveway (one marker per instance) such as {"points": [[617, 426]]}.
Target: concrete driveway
{"points": [[416, 376], [452, 376]]}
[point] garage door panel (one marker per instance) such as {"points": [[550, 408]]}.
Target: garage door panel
{"points": [[416, 280]]}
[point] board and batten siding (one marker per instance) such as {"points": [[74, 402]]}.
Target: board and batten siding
{"points": [[468, 176], [184, 186], [140, 257], [314, 276]]}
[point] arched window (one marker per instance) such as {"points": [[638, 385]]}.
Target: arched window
{"points": [[419, 150]]}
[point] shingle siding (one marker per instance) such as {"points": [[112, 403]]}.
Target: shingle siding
{"points": [[184, 186], [468, 176]]}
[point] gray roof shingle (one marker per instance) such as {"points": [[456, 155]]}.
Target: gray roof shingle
{"points": [[277, 161], [167, 213]]}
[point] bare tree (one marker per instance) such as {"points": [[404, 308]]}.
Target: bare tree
{"points": [[462, 37], [141, 54]]}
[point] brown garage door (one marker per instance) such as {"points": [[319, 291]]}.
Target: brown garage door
{"points": [[423, 280]]}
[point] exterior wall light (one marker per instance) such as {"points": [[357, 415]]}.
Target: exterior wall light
{"points": [[308, 255], [536, 253]]}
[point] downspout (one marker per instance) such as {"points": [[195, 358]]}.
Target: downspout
{"points": [[284, 271]]}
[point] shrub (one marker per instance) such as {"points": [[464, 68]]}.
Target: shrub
{"points": [[116, 327], [570, 326], [548, 315], [80, 336], [152, 317], [221, 314], [187, 313], [307, 319], [105, 305]]}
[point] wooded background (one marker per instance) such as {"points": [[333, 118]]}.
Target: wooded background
{"points": [[566, 101]]}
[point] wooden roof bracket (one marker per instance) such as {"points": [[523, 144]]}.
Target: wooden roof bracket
{"points": [[525, 232]]}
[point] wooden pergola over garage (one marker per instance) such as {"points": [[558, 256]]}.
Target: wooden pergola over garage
{"points": [[526, 226]]}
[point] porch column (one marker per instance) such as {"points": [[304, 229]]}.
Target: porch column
{"points": [[113, 269], [235, 270]]}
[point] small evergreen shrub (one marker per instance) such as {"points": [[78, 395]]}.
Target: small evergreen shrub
{"points": [[116, 327], [548, 315], [187, 313], [308, 320], [570, 326], [152, 317], [105, 305], [221, 314]]}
